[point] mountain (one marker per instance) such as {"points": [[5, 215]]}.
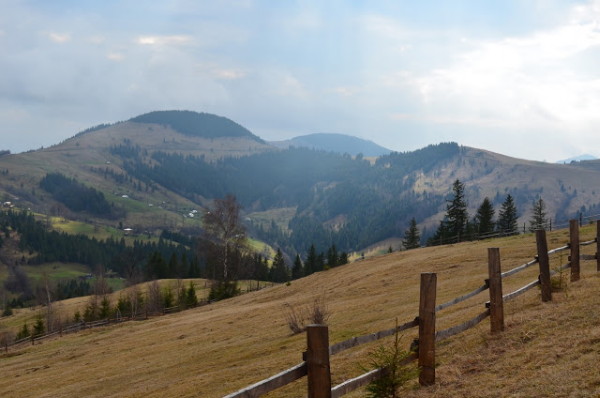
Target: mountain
{"points": [[196, 124], [577, 159], [339, 143], [157, 171]]}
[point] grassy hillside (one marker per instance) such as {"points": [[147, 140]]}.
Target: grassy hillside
{"points": [[548, 349]]}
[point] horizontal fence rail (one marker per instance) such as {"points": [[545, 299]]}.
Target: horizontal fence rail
{"points": [[520, 268], [462, 298], [454, 330], [366, 378], [272, 383], [356, 341]]}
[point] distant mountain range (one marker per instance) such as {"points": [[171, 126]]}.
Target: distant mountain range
{"points": [[338, 143], [579, 158], [155, 169]]}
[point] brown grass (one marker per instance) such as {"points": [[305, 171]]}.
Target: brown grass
{"points": [[548, 349]]}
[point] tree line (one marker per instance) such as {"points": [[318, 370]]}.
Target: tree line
{"points": [[457, 226]]}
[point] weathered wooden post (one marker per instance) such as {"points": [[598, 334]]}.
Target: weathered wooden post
{"points": [[598, 245], [544, 262], [317, 361], [574, 246], [495, 285], [427, 329]]}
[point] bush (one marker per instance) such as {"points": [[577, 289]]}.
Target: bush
{"points": [[298, 318], [222, 290]]}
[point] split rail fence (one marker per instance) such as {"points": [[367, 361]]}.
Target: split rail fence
{"points": [[316, 359]]}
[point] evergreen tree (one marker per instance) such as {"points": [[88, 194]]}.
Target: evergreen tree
{"points": [[332, 257], [508, 217], [343, 258], [412, 238], [24, 332], [320, 262], [453, 228], [456, 212], [310, 265], [484, 219], [104, 312], [279, 272], [297, 269], [190, 296], [538, 218], [38, 327], [261, 268]]}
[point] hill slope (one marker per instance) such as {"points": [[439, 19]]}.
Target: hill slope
{"points": [[155, 175], [339, 143], [214, 350]]}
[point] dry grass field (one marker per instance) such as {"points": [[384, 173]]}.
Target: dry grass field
{"points": [[547, 349]]}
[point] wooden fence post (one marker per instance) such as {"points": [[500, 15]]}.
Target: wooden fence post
{"points": [[598, 245], [544, 262], [495, 285], [427, 329], [317, 361], [574, 246]]}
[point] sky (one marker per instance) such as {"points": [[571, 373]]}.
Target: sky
{"points": [[521, 78]]}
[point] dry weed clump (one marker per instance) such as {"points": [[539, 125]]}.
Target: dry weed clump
{"points": [[298, 318]]}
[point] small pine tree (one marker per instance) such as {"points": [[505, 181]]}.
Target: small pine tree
{"points": [[343, 258], [484, 219], [538, 218], [38, 327], [168, 299], [412, 238], [104, 311], [190, 296], [23, 333], [395, 375], [508, 217], [310, 265], [279, 271], [297, 269]]}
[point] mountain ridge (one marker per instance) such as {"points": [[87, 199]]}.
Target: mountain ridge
{"points": [[335, 142], [157, 175]]}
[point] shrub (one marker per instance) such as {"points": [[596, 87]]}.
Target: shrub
{"points": [[298, 318]]}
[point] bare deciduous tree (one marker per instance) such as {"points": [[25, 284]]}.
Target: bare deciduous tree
{"points": [[224, 229]]}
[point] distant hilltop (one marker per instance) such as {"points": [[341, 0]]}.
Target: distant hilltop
{"points": [[577, 159], [339, 143]]}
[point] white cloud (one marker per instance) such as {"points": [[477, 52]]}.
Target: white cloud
{"points": [[169, 40], [219, 72], [114, 56], [59, 37]]}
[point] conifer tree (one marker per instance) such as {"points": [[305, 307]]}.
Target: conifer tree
{"points": [[508, 217], [484, 219], [190, 296], [297, 269], [310, 265], [538, 218], [412, 238], [279, 272], [456, 211], [343, 258], [332, 257], [453, 228]]}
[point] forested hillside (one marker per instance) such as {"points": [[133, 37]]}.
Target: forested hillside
{"points": [[156, 171], [338, 199]]}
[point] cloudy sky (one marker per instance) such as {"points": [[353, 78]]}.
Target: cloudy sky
{"points": [[520, 78]]}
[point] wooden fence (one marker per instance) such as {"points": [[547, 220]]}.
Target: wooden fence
{"points": [[316, 364]]}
